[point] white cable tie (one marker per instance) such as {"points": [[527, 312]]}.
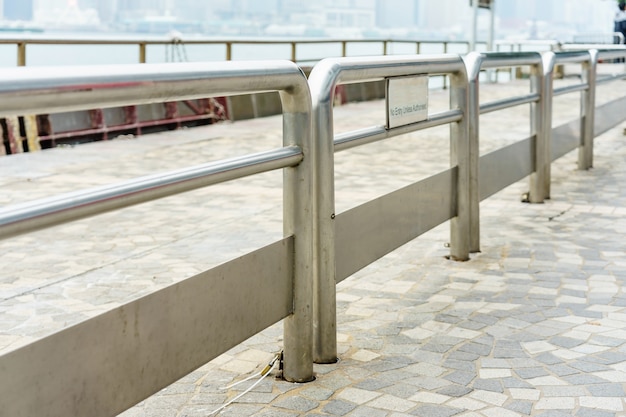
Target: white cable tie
{"points": [[217, 411], [240, 382]]}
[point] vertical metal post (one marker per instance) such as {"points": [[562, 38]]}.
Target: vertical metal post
{"points": [[418, 48], [547, 97], [536, 193], [385, 43], [344, 48], [473, 63], [490, 39], [588, 105], [293, 52], [460, 157], [445, 77], [322, 81], [492, 25], [142, 52], [229, 51], [474, 31], [299, 200], [21, 54]]}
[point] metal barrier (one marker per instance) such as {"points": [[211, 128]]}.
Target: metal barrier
{"points": [[363, 224], [106, 364], [153, 341], [359, 236]]}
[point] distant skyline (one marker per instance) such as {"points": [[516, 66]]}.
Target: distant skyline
{"points": [[441, 19]]}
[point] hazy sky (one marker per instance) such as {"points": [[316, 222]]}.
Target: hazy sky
{"points": [[545, 18]]}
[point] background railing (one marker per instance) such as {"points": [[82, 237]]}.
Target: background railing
{"points": [[39, 51], [108, 363]]}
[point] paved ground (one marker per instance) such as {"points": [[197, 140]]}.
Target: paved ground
{"points": [[535, 324]]}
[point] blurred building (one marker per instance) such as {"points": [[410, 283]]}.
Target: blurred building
{"points": [[398, 13]]}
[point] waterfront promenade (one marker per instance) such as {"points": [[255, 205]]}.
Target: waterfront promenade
{"points": [[534, 324]]}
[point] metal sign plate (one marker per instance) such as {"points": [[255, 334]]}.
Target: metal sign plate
{"points": [[407, 100]]}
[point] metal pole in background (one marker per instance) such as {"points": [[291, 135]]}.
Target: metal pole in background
{"points": [[474, 25], [492, 24], [490, 39], [589, 75]]}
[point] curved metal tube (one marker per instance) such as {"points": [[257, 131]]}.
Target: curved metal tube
{"points": [[35, 90]]}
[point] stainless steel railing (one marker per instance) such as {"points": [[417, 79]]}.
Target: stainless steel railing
{"points": [[182, 326], [171, 339]]}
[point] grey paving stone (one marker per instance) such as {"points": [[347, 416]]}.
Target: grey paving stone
{"points": [[554, 413], [612, 357], [297, 403], [492, 385], [604, 340], [519, 406], [316, 393], [461, 377], [562, 370], [401, 390], [566, 342], [455, 391], [472, 325], [515, 383], [338, 407], [503, 353], [372, 384], [582, 312], [607, 390], [528, 373], [273, 413], [584, 379], [521, 363], [554, 312], [590, 412], [461, 365], [235, 410], [589, 366], [437, 347], [548, 359], [447, 318], [365, 411], [435, 411], [476, 348], [564, 391], [484, 318]]}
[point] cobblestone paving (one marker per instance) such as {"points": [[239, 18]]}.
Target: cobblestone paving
{"points": [[534, 324]]}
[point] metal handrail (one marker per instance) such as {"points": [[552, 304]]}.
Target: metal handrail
{"points": [[76, 88], [29, 217]]}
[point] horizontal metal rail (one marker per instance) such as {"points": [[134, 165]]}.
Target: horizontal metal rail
{"points": [[508, 102], [29, 217], [610, 78], [373, 134], [35, 90], [569, 89]]}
